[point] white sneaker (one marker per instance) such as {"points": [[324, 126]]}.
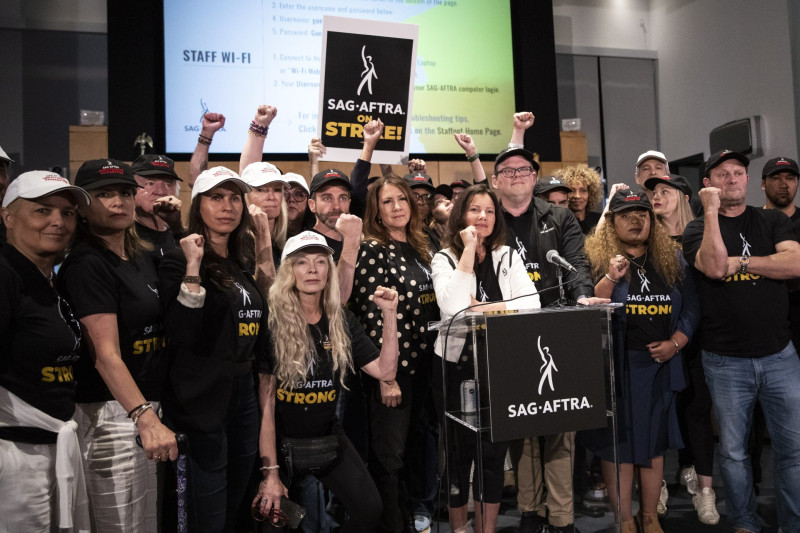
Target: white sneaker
{"points": [[422, 523], [705, 503], [662, 499], [688, 479]]}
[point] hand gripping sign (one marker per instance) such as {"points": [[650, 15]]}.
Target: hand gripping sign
{"points": [[367, 74]]}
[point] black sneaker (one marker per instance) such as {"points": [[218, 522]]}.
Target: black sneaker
{"points": [[532, 523]]}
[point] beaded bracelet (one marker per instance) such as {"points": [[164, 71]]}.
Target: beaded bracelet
{"points": [[204, 140], [258, 130]]}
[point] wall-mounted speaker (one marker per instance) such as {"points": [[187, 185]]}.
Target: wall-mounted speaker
{"points": [[743, 136]]}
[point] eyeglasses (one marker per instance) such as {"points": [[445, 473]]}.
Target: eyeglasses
{"points": [[65, 311], [422, 197], [509, 172], [295, 195]]}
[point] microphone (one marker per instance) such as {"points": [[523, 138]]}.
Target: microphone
{"points": [[553, 257]]}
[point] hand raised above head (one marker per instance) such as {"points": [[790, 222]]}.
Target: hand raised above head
{"points": [[523, 120], [316, 149], [213, 122], [265, 114]]}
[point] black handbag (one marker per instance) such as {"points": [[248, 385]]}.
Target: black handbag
{"points": [[309, 456]]}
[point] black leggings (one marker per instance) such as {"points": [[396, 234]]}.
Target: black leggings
{"points": [[462, 448], [694, 417]]}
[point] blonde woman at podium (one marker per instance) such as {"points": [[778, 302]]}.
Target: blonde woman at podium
{"points": [[636, 263], [476, 269]]}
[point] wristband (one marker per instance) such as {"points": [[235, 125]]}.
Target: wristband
{"points": [[136, 409], [514, 146], [202, 139], [612, 280], [192, 279], [267, 468], [140, 412], [473, 157]]}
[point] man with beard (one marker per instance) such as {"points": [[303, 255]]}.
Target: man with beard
{"points": [[779, 183]]}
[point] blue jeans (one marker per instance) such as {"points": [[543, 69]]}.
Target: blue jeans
{"points": [[735, 384]]}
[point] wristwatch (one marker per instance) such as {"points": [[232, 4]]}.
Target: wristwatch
{"points": [[744, 262]]}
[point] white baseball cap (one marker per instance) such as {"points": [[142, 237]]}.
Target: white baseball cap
{"points": [[260, 173], [291, 177], [39, 183], [651, 154], [4, 156], [302, 240], [214, 177]]}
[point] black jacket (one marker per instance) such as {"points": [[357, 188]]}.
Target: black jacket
{"points": [[555, 228]]}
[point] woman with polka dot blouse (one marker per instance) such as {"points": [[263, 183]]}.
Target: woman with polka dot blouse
{"points": [[395, 254]]}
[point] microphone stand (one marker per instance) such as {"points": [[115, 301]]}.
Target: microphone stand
{"points": [[562, 298]]}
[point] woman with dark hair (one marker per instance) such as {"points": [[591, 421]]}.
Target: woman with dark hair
{"points": [[636, 263], [41, 342], [476, 269], [395, 254], [215, 321], [112, 283], [316, 344]]}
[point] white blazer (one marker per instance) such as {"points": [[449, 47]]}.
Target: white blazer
{"points": [[454, 288]]}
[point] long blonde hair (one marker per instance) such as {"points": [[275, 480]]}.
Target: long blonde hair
{"points": [[280, 227], [292, 341], [605, 244]]}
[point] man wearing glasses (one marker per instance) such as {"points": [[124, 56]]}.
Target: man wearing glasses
{"points": [[534, 228], [422, 191]]}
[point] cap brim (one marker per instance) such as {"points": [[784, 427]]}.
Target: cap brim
{"points": [[111, 181], [243, 186], [522, 152], [428, 186], [334, 181], [325, 247], [156, 172]]}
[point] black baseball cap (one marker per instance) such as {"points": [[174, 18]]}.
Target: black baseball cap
{"points": [[419, 180], [673, 180], [780, 164], [329, 177], [511, 152], [549, 183], [718, 158], [98, 173], [463, 184], [154, 165], [628, 199], [445, 190]]}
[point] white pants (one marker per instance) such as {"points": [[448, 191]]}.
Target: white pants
{"points": [[27, 487], [121, 482]]}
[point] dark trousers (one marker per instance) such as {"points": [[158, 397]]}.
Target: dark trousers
{"points": [[694, 417], [221, 463]]}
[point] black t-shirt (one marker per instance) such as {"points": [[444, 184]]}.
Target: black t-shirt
{"points": [[40, 338], [99, 282], [333, 243], [418, 279], [649, 306], [487, 286], [309, 409], [520, 239], [162, 241], [589, 221], [246, 302], [743, 315]]}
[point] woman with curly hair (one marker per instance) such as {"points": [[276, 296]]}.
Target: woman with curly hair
{"points": [[636, 263], [316, 344], [395, 253], [587, 192]]}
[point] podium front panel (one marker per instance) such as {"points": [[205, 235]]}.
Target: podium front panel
{"points": [[542, 373]]}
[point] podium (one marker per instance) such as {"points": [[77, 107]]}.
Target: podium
{"points": [[537, 372]]}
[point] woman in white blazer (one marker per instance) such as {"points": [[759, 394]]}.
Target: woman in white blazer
{"points": [[476, 269]]}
